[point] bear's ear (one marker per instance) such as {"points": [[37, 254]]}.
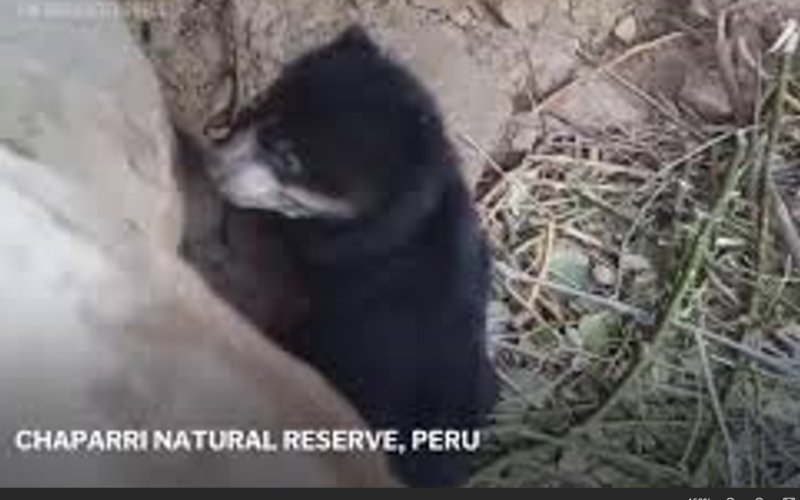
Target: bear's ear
{"points": [[356, 38]]}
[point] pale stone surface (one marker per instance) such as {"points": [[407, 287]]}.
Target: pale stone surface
{"points": [[102, 327], [705, 92], [523, 14], [627, 30], [90, 112]]}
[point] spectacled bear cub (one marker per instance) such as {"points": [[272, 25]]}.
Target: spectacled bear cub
{"points": [[352, 151]]}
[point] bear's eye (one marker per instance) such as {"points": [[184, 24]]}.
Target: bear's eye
{"points": [[284, 162]]}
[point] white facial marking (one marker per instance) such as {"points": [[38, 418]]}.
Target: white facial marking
{"points": [[247, 182], [316, 204], [240, 179]]}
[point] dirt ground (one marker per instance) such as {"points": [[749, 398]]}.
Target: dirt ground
{"points": [[593, 131]]}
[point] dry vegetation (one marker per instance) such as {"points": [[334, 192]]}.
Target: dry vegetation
{"points": [[647, 314]]}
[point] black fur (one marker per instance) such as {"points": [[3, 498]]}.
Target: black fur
{"points": [[398, 294]]}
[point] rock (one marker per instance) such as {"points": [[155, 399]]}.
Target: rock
{"points": [[604, 275], [595, 20], [598, 104], [703, 9], [627, 30], [524, 139], [704, 91], [103, 326], [464, 17], [525, 131], [635, 264], [553, 54], [89, 112], [522, 14]]}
